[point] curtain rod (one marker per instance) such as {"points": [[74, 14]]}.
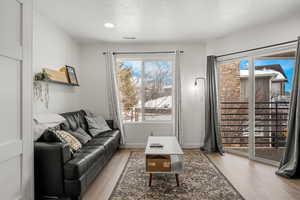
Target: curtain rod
{"points": [[264, 47], [142, 52]]}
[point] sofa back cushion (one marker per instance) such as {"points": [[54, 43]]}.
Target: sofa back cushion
{"points": [[81, 135], [74, 120]]}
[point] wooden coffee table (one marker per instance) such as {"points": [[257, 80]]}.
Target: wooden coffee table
{"points": [[164, 160]]}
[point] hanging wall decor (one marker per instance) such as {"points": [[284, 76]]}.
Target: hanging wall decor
{"points": [[41, 92], [40, 88]]}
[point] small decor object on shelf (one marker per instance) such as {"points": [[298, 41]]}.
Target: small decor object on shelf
{"points": [[41, 76], [70, 71]]}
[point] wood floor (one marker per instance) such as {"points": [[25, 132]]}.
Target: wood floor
{"points": [[254, 180], [108, 177]]}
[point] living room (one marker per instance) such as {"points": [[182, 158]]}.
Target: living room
{"points": [[150, 99]]}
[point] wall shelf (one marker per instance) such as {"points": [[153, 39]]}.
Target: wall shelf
{"points": [[61, 83]]}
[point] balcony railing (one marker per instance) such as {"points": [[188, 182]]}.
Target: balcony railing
{"points": [[270, 124]]}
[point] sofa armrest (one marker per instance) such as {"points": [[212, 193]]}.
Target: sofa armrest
{"points": [[110, 123], [49, 159]]}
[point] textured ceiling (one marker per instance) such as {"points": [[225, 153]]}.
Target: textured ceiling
{"points": [[162, 20]]}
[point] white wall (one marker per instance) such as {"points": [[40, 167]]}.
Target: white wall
{"points": [[93, 78], [276, 32], [93, 89], [53, 48]]}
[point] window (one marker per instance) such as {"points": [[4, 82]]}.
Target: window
{"points": [[145, 89]]}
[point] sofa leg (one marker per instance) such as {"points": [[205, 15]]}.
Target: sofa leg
{"points": [[76, 198]]}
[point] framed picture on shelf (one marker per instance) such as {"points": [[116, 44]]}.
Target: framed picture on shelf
{"points": [[71, 74]]}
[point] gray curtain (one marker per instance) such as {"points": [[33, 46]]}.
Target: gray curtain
{"points": [[212, 139], [177, 127], [290, 166], [113, 103]]}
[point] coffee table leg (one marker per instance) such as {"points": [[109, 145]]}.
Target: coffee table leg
{"points": [[177, 179], [150, 179]]}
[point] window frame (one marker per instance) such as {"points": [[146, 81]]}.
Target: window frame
{"points": [[144, 59]]}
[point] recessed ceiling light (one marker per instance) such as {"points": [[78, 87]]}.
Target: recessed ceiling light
{"points": [[129, 38], [109, 25]]}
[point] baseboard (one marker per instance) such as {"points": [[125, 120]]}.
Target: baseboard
{"points": [[191, 146]]}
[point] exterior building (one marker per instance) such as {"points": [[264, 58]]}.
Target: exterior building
{"points": [[270, 82]]}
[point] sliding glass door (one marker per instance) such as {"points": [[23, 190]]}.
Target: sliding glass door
{"points": [[273, 85], [254, 96]]}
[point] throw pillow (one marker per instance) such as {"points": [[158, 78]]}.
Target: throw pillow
{"points": [[81, 135], [97, 125], [50, 135], [90, 114], [71, 140]]}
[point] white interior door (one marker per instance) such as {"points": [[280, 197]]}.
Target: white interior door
{"points": [[16, 155]]}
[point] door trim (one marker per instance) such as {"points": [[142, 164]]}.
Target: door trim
{"points": [[26, 100]]}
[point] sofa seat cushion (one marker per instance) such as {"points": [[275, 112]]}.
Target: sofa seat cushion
{"points": [[104, 141], [110, 143], [83, 160], [112, 133]]}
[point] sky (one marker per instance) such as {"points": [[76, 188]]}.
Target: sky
{"points": [[149, 65], [287, 66], [136, 67]]}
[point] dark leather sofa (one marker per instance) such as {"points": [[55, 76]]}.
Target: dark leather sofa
{"points": [[59, 173]]}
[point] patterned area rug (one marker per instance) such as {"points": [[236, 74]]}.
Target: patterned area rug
{"points": [[200, 180]]}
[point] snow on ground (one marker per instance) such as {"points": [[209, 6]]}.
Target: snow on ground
{"points": [[162, 102]]}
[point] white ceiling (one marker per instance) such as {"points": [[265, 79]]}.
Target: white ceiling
{"points": [[162, 20]]}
